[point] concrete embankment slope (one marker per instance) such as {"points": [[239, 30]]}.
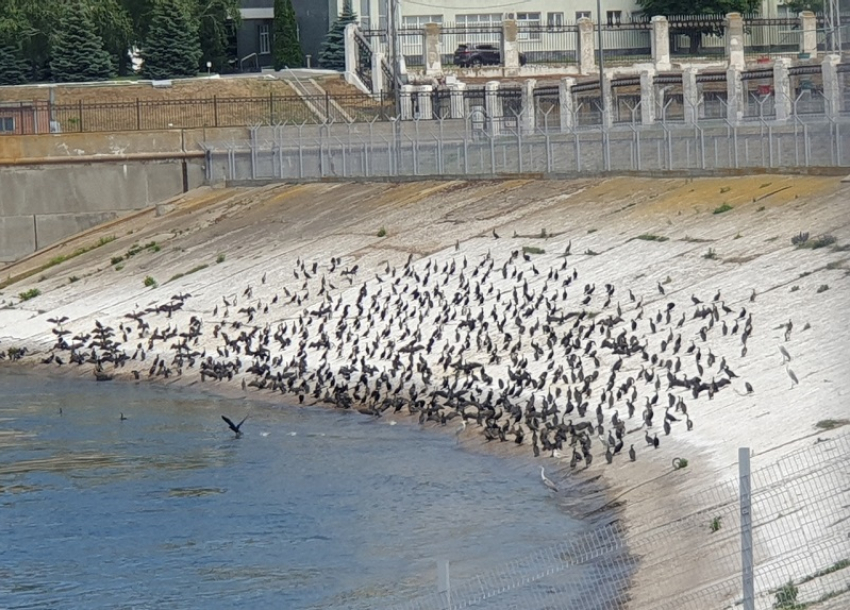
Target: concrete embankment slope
{"points": [[296, 259]]}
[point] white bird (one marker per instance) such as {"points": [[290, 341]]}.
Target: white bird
{"points": [[460, 430], [546, 481], [794, 380]]}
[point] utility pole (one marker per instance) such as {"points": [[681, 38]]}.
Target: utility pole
{"points": [[395, 51], [601, 61]]}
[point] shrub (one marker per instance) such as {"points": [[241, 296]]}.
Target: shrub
{"points": [[219, 259], [651, 237], [29, 294], [723, 208], [150, 282], [382, 232], [710, 255]]}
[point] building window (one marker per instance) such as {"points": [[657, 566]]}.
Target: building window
{"points": [[265, 43], [526, 22], [7, 124], [485, 19], [582, 15], [418, 22], [365, 13], [555, 19], [614, 17]]}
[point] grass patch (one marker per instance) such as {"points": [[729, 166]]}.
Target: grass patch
{"points": [[219, 259], [725, 189], [786, 597], [715, 525], [831, 424], [821, 241], [189, 272], [795, 288], [679, 463], [723, 208], [823, 288], [761, 209], [651, 237], [149, 282], [382, 232], [73, 279], [57, 260], [589, 231], [119, 267], [710, 255], [695, 240], [838, 565], [533, 250], [29, 294]]}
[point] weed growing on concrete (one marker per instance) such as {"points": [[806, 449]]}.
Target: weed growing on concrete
{"points": [[725, 189], [589, 231], [651, 237], [189, 272], [823, 288], [761, 209], [679, 463], [150, 282], [219, 259], [710, 255], [590, 252], [838, 565], [714, 526], [667, 280], [115, 260], [723, 208], [73, 279], [382, 232], [119, 267], [58, 260], [786, 597], [833, 265], [29, 294], [543, 234], [794, 288], [533, 250], [737, 236], [765, 185]]}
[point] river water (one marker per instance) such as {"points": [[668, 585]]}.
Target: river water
{"points": [[310, 508]]}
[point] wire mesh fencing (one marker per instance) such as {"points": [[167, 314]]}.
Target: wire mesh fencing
{"points": [[691, 554]]}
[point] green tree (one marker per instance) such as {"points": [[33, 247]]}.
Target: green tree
{"points": [[332, 53], [287, 46], [172, 48], [697, 7], [115, 26], [76, 49], [13, 68], [218, 21]]}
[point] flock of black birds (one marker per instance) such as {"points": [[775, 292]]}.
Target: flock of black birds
{"points": [[516, 348]]}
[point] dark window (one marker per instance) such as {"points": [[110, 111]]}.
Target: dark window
{"points": [[7, 124]]}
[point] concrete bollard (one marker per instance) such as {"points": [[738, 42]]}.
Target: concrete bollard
{"points": [[735, 40], [607, 94], [425, 107], [782, 98], [528, 118], [831, 85], [567, 103], [647, 97], [457, 105], [690, 95], [660, 43], [406, 98], [431, 51], [734, 95], [586, 55], [493, 107]]}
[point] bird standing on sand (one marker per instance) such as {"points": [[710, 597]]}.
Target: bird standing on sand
{"points": [[234, 427]]}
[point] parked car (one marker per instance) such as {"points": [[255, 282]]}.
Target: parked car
{"points": [[475, 55]]}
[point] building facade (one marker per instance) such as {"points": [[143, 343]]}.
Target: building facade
{"points": [[254, 38]]}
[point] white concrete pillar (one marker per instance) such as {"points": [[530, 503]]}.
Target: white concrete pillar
{"points": [[431, 51], [510, 48], [690, 95], [782, 97], [458, 108], [493, 107], [528, 120], [734, 95], [831, 84], [660, 43], [350, 49], [406, 98], [735, 40], [567, 103], [809, 36], [425, 107], [377, 72], [647, 97], [586, 55], [607, 93]]}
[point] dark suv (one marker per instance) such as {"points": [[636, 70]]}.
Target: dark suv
{"points": [[480, 54]]}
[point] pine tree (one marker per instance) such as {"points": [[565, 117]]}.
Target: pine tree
{"points": [[12, 65], [287, 46], [172, 47], [77, 52], [332, 53]]}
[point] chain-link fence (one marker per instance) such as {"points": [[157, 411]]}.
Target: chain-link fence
{"points": [[775, 537], [479, 146]]}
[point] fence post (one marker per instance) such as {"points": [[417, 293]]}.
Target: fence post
{"points": [[586, 57], [444, 589], [510, 52], [567, 103], [690, 95], [138, 116], [746, 528], [215, 110], [735, 40], [809, 37], [781, 88], [831, 85], [647, 97], [80, 114], [660, 43], [271, 108]]}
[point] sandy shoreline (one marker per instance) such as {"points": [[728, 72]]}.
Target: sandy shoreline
{"points": [[264, 232]]}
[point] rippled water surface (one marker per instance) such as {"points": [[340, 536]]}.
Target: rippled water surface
{"points": [[311, 508]]}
